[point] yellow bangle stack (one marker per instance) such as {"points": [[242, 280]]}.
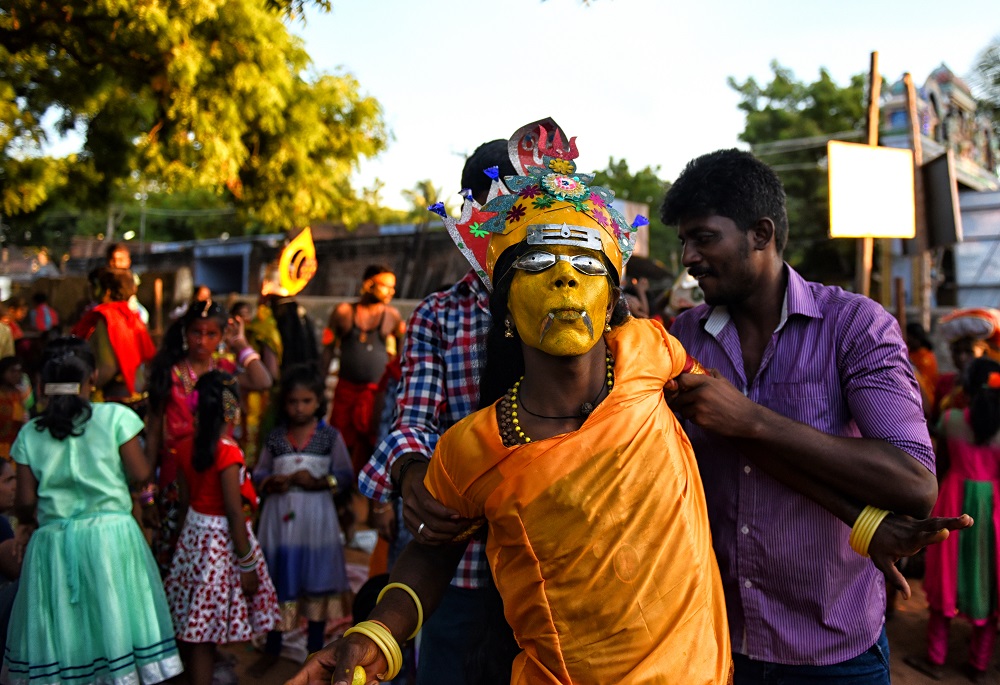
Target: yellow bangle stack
{"points": [[864, 528], [383, 639], [416, 600]]}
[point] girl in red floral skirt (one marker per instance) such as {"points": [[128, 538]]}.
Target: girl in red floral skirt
{"points": [[218, 589]]}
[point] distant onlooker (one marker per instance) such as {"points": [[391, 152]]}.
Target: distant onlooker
{"points": [[970, 333], [365, 335], [16, 311], [6, 337], [961, 576], [13, 413], [42, 317], [925, 366], [117, 256], [636, 300], [202, 293], [11, 548], [119, 339]]}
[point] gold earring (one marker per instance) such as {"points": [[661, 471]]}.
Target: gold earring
{"points": [[607, 328], [508, 331]]}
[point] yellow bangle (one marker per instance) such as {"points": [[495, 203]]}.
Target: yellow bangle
{"points": [[859, 531], [389, 646], [383, 639], [864, 528], [416, 600]]}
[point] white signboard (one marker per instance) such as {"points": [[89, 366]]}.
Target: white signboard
{"points": [[871, 191]]}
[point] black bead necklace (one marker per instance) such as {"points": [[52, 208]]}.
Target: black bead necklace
{"points": [[510, 427]]}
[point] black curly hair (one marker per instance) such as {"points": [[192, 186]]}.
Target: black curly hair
{"points": [[731, 183], [493, 153], [210, 416]]}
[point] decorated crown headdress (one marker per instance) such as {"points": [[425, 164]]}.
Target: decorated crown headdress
{"points": [[546, 203]]}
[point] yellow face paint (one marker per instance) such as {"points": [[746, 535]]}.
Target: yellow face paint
{"points": [[560, 311]]}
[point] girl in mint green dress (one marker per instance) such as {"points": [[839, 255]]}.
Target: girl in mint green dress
{"points": [[90, 607]]}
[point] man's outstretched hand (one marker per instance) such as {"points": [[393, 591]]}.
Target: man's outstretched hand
{"points": [[334, 664], [904, 536]]}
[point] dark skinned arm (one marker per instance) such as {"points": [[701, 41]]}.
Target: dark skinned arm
{"points": [[154, 436], [26, 496], [897, 536], [862, 469], [233, 503], [255, 376], [441, 524], [428, 570], [339, 323]]}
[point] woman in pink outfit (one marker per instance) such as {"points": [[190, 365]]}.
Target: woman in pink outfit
{"points": [[961, 576]]}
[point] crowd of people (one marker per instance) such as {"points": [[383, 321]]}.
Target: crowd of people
{"points": [[567, 489]]}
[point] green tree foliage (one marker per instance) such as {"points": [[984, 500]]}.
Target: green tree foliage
{"points": [[986, 82], [779, 115], [420, 197], [210, 95], [647, 187]]}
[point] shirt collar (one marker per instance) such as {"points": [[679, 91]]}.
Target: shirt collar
{"points": [[798, 300], [473, 285]]}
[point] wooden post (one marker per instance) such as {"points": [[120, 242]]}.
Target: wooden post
{"points": [[863, 255], [900, 303], [922, 262], [158, 308]]}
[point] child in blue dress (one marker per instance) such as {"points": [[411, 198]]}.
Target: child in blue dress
{"points": [[90, 607], [304, 462]]}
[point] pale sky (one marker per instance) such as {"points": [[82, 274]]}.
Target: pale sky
{"points": [[643, 80]]}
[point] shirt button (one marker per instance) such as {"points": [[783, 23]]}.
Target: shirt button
{"points": [[746, 469], [744, 530], [747, 583]]}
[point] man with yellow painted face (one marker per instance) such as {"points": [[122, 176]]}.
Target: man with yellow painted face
{"points": [[572, 437]]}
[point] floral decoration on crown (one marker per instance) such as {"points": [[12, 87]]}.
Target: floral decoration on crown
{"points": [[557, 180], [517, 200]]}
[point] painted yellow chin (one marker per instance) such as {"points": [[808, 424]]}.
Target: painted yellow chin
{"points": [[559, 311]]}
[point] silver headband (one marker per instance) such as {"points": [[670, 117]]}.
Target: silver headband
{"points": [[565, 234]]}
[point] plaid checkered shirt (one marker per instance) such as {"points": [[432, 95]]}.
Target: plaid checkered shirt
{"points": [[439, 387]]}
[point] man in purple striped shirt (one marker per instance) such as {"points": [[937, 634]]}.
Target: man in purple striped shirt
{"points": [[813, 414]]}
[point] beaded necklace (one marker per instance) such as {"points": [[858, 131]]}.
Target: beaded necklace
{"points": [[511, 432], [187, 375]]}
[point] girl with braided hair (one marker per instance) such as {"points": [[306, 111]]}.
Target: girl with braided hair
{"points": [[191, 347], [218, 587]]}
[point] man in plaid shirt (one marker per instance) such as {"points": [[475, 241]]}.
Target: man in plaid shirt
{"points": [[445, 340]]}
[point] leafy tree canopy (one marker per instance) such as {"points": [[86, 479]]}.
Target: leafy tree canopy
{"points": [[986, 82], [209, 95], [786, 109], [644, 186]]}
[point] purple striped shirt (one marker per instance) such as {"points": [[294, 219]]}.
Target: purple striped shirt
{"points": [[795, 591]]}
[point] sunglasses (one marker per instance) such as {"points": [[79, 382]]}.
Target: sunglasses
{"points": [[536, 261]]}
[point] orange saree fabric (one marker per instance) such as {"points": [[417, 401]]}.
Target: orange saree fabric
{"points": [[599, 539]]}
